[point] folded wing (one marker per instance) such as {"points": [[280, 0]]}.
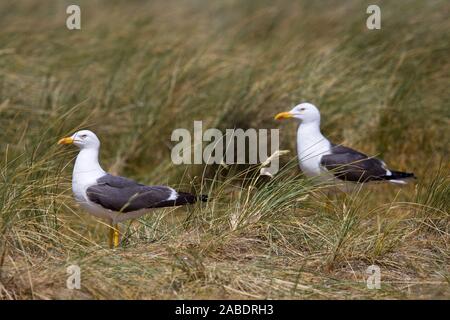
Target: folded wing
{"points": [[350, 165], [125, 195]]}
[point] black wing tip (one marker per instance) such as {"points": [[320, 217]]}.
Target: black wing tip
{"points": [[189, 198], [401, 175]]}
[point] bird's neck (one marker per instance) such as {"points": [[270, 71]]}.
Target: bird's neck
{"points": [[310, 140], [87, 166]]}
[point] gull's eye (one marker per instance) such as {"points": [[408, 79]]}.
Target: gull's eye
{"points": [[84, 136], [302, 109]]}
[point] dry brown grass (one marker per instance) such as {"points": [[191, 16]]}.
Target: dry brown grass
{"points": [[138, 70]]}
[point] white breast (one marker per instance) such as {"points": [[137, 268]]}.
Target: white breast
{"points": [[311, 146], [85, 174], [80, 184]]}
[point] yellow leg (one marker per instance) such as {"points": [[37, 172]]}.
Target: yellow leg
{"points": [[114, 236], [111, 237]]}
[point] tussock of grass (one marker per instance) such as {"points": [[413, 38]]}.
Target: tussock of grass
{"points": [[137, 71]]}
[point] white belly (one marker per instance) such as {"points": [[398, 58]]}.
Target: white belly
{"points": [[110, 215], [311, 146], [79, 190], [310, 166], [79, 187], [309, 160], [96, 210]]}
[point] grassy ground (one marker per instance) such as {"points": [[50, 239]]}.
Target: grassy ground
{"points": [[138, 70]]}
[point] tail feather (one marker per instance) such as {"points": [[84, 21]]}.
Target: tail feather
{"points": [[189, 198], [400, 177]]}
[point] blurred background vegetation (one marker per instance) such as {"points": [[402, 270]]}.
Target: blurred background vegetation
{"points": [[139, 69]]}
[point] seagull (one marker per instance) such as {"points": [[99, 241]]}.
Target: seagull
{"points": [[115, 198], [321, 159]]}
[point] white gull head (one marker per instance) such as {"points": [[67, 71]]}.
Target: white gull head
{"points": [[86, 139], [305, 112], [83, 139]]}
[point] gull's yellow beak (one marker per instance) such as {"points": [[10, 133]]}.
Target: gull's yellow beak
{"points": [[68, 140], [283, 115]]}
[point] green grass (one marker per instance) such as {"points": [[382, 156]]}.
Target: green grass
{"points": [[137, 70]]}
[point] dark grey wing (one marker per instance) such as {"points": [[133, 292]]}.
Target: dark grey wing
{"points": [[125, 195], [350, 165]]}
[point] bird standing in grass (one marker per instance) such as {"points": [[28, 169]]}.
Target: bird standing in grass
{"points": [[320, 158], [112, 197]]}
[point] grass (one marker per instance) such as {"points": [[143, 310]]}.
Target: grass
{"points": [[138, 70]]}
